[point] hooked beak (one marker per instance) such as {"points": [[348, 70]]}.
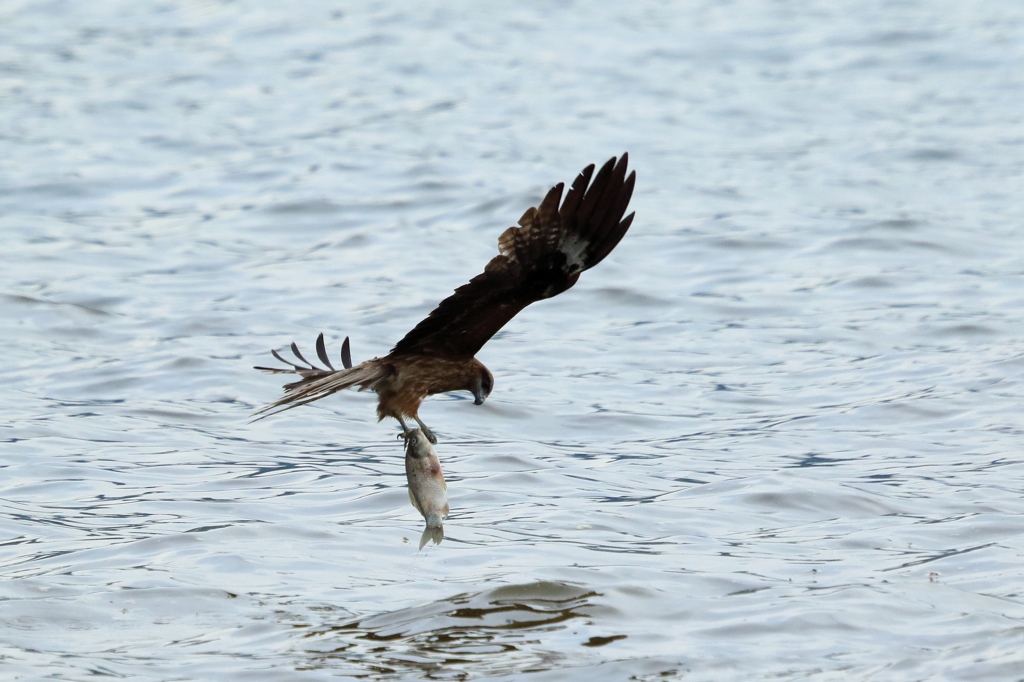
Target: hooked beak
{"points": [[478, 397]]}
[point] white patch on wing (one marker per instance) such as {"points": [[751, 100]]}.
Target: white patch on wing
{"points": [[573, 247]]}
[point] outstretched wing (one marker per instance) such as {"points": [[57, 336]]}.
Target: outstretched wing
{"points": [[541, 258]]}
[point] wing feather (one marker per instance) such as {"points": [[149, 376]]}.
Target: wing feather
{"points": [[594, 193], [321, 351], [541, 258], [575, 195]]}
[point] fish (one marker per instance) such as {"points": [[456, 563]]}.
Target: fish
{"points": [[427, 490]]}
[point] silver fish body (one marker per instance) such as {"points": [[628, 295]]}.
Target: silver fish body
{"points": [[427, 490]]}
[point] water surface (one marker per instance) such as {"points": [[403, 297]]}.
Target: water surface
{"points": [[775, 435]]}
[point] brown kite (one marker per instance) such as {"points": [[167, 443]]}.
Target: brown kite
{"points": [[541, 258]]}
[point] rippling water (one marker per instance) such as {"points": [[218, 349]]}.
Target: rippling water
{"points": [[776, 435]]}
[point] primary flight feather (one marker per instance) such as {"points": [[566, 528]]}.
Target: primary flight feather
{"points": [[541, 258]]}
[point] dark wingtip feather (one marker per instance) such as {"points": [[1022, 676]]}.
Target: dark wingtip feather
{"points": [[611, 240], [625, 194], [274, 370], [604, 216], [295, 349], [594, 193], [612, 228], [287, 362], [346, 355], [321, 351], [575, 195], [550, 203]]}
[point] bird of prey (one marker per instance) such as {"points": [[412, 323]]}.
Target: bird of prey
{"points": [[541, 258]]}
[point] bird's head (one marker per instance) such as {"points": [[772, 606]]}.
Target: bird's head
{"points": [[482, 383]]}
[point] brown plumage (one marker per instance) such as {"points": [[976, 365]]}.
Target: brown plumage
{"points": [[541, 258]]}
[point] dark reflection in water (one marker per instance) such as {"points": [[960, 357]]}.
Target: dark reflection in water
{"points": [[496, 631]]}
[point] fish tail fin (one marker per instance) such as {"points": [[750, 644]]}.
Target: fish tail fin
{"points": [[433, 532]]}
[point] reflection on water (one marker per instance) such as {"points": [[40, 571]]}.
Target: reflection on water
{"points": [[498, 631], [776, 434]]}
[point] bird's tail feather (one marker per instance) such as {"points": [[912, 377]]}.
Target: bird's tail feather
{"points": [[318, 383]]}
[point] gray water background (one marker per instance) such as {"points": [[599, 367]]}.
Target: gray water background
{"points": [[775, 435]]}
